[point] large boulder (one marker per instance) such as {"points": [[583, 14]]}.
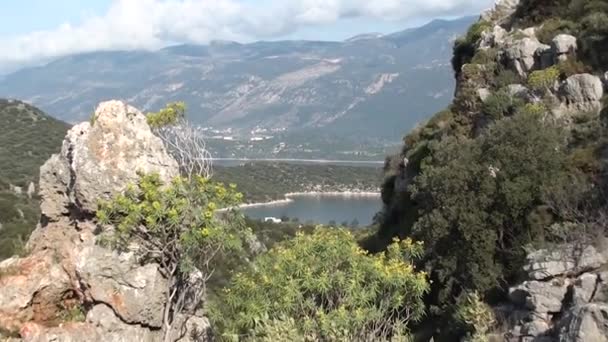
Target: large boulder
{"points": [[580, 93], [526, 55], [563, 260], [540, 297], [32, 288], [135, 292], [587, 323], [100, 157], [563, 46], [493, 38]]}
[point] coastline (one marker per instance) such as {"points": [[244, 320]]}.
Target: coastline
{"points": [[289, 197]]}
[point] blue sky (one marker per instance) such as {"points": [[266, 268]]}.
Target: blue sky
{"points": [[37, 30], [24, 16]]}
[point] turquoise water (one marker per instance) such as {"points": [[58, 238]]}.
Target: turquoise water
{"points": [[322, 209]]}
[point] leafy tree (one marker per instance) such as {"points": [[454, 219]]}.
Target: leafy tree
{"points": [[324, 287], [176, 226], [477, 194], [170, 115], [501, 104]]}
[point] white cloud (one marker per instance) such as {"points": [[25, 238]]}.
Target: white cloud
{"points": [[133, 24]]}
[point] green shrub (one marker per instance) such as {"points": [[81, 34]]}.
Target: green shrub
{"points": [[594, 39], [73, 313], [465, 47], [167, 116], [553, 27], [177, 226], [586, 159], [485, 56], [572, 66], [333, 289], [501, 104], [466, 101], [543, 80], [505, 77], [475, 73], [476, 316], [537, 109], [476, 194]]}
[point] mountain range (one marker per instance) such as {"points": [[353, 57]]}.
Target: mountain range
{"points": [[371, 85]]}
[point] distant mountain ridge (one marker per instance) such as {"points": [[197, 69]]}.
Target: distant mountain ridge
{"points": [[371, 85]]}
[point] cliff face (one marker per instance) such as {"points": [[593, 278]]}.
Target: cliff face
{"points": [[455, 186], [69, 287]]}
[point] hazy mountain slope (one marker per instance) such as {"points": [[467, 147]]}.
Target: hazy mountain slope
{"points": [[366, 85], [28, 137]]}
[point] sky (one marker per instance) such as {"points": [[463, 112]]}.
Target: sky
{"points": [[38, 30]]}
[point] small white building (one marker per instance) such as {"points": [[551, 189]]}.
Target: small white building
{"points": [[272, 219]]}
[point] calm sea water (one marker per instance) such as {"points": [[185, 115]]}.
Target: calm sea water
{"points": [[322, 209]]}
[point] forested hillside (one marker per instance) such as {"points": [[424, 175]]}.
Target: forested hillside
{"points": [[262, 182], [28, 138], [517, 161]]}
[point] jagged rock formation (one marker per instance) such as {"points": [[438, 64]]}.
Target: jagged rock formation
{"points": [[564, 299], [69, 288]]}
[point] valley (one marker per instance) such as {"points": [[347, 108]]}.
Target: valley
{"points": [[351, 99]]}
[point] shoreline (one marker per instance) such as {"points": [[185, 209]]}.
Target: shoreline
{"points": [[312, 161], [289, 197]]}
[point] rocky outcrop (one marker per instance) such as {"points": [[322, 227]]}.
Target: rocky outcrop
{"points": [[526, 55], [501, 12], [493, 38], [580, 94], [70, 288], [587, 323], [570, 259], [99, 158], [563, 300], [562, 47]]}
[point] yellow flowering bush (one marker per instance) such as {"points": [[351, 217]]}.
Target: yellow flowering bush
{"points": [[178, 226], [169, 115], [332, 288]]}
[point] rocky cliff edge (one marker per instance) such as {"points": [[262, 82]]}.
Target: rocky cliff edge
{"points": [[68, 287]]}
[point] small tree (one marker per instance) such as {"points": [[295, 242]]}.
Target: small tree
{"points": [[324, 287], [543, 80], [184, 141], [176, 225]]}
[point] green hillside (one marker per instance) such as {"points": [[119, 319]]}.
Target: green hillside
{"points": [[28, 138], [262, 182], [516, 163]]}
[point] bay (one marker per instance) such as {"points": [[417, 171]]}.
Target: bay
{"points": [[321, 208]]}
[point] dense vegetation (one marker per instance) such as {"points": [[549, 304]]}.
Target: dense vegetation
{"points": [[501, 175], [176, 225], [324, 287], [29, 137], [586, 19], [262, 182]]}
